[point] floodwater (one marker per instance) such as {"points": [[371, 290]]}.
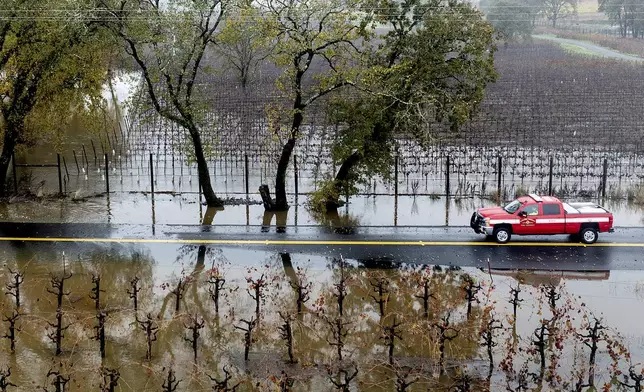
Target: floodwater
{"points": [[614, 298], [382, 210]]}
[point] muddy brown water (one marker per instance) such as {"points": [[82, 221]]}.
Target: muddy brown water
{"points": [[614, 297]]}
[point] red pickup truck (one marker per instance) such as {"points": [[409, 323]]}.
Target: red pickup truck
{"points": [[535, 215]]}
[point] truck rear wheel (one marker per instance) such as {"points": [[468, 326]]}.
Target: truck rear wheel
{"points": [[588, 235], [502, 235]]}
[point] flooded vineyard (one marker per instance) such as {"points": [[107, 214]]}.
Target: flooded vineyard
{"points": [[195, 318], [516, 133]]}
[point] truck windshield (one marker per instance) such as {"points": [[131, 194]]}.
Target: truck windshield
{"points": [[512, 207]]}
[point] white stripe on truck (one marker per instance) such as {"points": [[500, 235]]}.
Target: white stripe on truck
{"points": [[555, 220]]}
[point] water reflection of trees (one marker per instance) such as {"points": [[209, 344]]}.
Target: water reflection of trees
{"points": [[400, 327]]}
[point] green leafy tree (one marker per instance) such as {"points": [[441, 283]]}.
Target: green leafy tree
{"points": [[168, 41], [555, 10], [512, 19], [315, 48], [53, 68], [628, 15], [431, 67], [242, 43]]}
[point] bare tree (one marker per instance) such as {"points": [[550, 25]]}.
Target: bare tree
{"points": [[58, 285], [471, 289], [13, 288], [555, 10], [446, 333], [194, 327], [391, 333], [171, 383], [342, 379], [256, 291], [339, 333], [380, 287], [178, 294], [150, 329], [594, 334], [96, 291], [216, 282], [223, 385], [12, 329], [100, 331], [4, 380], [248, 335], [110, 379], [286, 333], [134, 293]]}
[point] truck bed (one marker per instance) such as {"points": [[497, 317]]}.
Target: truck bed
{"points": [[584, 208]]}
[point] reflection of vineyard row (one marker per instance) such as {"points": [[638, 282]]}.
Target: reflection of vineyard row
{"points": [[270, 326]]}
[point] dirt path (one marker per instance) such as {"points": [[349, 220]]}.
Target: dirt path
{"points": [[590, 47]]}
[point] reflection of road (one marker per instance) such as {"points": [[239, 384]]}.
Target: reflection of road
{"points": [[589, 46], [447, 246]]}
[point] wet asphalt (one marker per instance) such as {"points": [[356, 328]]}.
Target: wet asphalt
{"points": [[372, 246]]}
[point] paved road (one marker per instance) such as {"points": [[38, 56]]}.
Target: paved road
{"points": [[623, 249], [589, 46]]}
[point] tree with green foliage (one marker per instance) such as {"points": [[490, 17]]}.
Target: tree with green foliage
{"points": [[316, 46], [168, 41], [628, 15], [555, 10], [512, 19], [430, 68], [242, 44], [53, 68]]}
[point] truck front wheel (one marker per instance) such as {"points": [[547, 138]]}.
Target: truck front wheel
{"points": [[588, 235], [502, 235]]}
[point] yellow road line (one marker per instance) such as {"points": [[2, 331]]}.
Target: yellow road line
{"points": [[315, 242]]}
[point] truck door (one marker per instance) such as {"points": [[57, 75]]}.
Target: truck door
{"points": [[551, 220], [527, 220]]}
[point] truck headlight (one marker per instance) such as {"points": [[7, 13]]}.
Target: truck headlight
{"points": [[487, 222]]}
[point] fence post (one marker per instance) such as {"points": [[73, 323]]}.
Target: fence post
{"points": [[396, 176], [65, 165], [295, 175], [76, 160], [604, 178], [60, 176], [499, 173], [93, 148], [151, 175], [107, 175], [550, 177], [447, 176], [246, 173], [15, 178]]}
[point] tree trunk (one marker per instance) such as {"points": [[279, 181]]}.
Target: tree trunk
{"points": [[9, 144], [341, 179], [281, 203], [204, 176]]}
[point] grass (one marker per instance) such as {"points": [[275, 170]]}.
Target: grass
{"points": [[575, 49], [628, 46]]}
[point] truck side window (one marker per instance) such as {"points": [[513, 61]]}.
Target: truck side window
{"points": [[532, 210], [551, 209]]}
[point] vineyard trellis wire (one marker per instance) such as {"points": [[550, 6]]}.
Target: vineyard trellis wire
{"points": [[546, 104]]}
